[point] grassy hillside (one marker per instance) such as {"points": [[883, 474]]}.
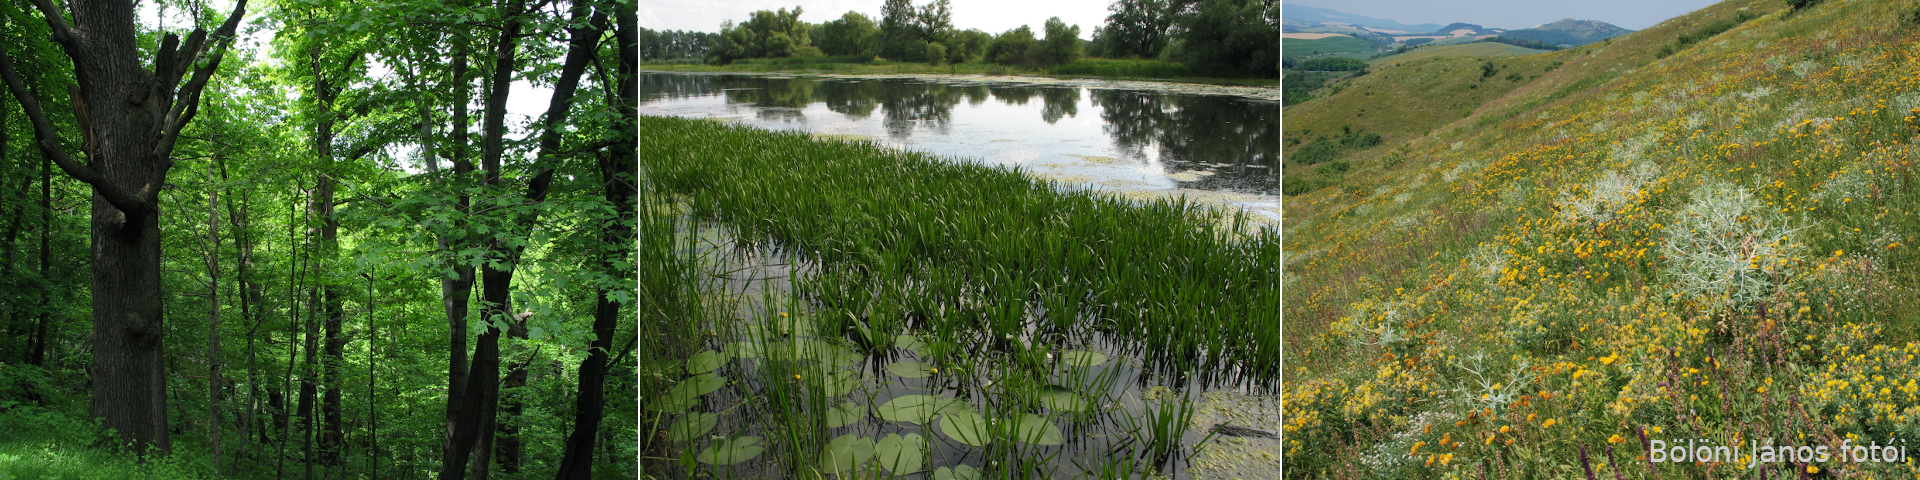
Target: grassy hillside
{"points": [[1478, 49], [1709, 245], [1399, 103], [1298, 48]]}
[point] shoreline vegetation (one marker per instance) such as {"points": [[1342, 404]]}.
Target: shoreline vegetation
{"points": [[913, 288], [1131, 72]]}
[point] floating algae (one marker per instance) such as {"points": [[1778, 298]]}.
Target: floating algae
{"points": [[1097, 159], [842, 137]]}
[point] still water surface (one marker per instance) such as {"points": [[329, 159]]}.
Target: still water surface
{"points": [[1224, 147]]}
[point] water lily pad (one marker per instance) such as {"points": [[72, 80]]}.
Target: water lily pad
{"points": [[910, 368], [836, 383], [1083, 358], [1037, 430], [846, 452], [1058, 398], [845, 414], [745, 349], [910, 343], [687, 393], [729, 451], [901, 455], [963, 472], [706, 361], [915, 409], [691, 426], [966, 427]]}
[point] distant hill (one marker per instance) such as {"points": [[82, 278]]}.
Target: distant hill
{"points": [[1290, 14], [1343, 45], [1569, 32], [1468, 29]]}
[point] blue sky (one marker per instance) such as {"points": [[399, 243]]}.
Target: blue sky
{"points": [[1514, 14]]}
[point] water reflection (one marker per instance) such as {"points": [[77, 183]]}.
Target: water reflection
{"points": [[1154, 140]]}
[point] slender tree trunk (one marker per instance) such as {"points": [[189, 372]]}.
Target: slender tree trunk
{"points": [[249, 293], [457, 289], [325, 93], [213, 319], [308, 386], [129, 118], [38, 354]]}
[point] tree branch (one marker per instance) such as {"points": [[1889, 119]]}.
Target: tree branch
{"points": [[49, 143], [61, 32], [179, 114]]}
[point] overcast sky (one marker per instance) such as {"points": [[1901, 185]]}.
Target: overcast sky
{"points": [[1510, 14], [991, 16]]}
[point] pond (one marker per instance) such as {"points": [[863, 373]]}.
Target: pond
{"points": [[1218, 148]]}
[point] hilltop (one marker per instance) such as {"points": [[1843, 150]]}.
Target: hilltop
{"points": [[1696, 230], [1466, 29], [1569, 32], [1302, 16]]}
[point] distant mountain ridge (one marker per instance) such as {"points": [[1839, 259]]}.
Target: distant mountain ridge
{"points": [[1290, 13], [1569, 32], [1470, 29]]}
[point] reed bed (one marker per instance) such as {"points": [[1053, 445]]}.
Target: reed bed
{"points": [[1192, 288]]}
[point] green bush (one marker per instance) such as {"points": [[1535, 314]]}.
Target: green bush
{"points": [[1332, 65], [1335, 167], [1316, 152], [1799, 5], [1360, 141]]}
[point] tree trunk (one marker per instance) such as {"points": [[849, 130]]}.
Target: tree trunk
{"points": [[128, 129], [456, 290], [617, 173], [213, 319], [43, 325], [249, 295]]}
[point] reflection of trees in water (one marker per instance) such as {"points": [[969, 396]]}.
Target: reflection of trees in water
{"points": [[656, 86], [923, 104], [1236, 136], [1012, 95], [775, 92], [1057, 102], [854, 99], [976, 94]]}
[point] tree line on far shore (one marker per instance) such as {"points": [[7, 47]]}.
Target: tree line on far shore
{"points": [[1209, 37]]}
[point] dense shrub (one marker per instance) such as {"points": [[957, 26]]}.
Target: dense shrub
{"points": [[1333, 65], [1316, 152]]}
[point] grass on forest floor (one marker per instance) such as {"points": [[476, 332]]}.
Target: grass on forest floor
{"points": [[1155, 70], [45, 444], [1709, 245], [995, 293]]}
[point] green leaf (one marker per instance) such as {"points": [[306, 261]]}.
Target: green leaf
{"points": [[910, 368], [1083, 358], [901, 455], [837, 383], [966, 427], [687, 393], [846, 413], [963, 472], [1059, 398], [1037, 430], [706, 361], [692, 426], [846, 452], [915, 409], [729, 451], [910, 343]]}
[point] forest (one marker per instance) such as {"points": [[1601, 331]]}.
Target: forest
{"points": [[1224, 38], [318, 239]]}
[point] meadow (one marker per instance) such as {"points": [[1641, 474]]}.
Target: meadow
{"points": [[1706, 243]]}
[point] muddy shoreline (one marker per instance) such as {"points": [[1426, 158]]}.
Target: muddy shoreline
{"points": [[1257, 93]]}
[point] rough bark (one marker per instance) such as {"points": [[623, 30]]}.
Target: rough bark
{"points": [[129, 129], [457, 289], [617, 173]]}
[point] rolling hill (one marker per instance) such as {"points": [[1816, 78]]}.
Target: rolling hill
{"points": [[1569, 32], [1298, 48], [1711, 243], [1303, 16]]}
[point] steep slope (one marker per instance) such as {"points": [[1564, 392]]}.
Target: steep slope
{"points": [[1713, 244], [1569, 32], [1477, 49]]}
